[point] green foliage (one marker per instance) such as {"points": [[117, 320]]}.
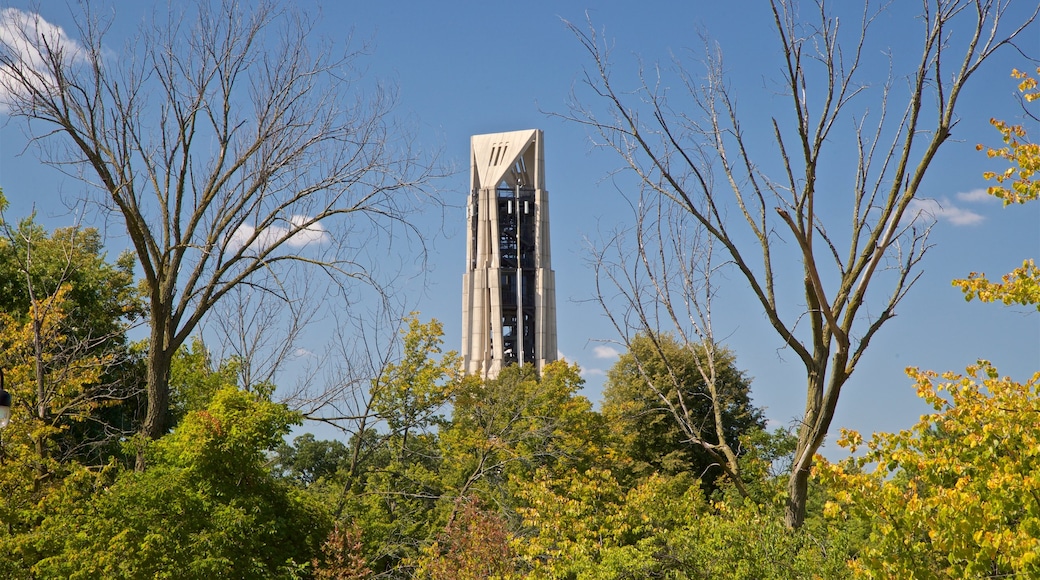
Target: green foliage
{"points": [[585, 525], [205, 508], [510, 426], [393, 492], [102, 295], [195, 379], [308, 460], [410, 393], [64, 311], [589, 526], [642, 386]]}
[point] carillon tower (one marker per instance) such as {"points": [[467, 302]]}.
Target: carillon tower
{"points": [[508, 290]]}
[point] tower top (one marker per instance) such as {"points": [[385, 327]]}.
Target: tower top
{"points": [[498, 157]]}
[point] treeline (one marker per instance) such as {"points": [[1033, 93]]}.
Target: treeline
{"points": [[446, 475], [454, 476]]}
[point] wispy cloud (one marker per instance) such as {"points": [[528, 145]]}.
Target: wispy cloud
{"points": [[603, 351], [976, 196], [945, 210], [303, 236], [593, 372], [23, 36]]}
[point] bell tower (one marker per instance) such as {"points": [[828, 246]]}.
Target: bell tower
{"points": [[509, 289]]}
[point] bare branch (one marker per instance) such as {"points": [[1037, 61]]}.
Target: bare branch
{"points": [[672, 153], [233, 145]]}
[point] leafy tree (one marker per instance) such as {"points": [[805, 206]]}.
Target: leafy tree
{"points": [[706, 164], [233, 171], [587, 525], [643, 418], [412, 392], [102, 297], [207, 507], [64, 313], [1022, 285], [308, 460], [52, 381], [390, 486], [195, 378], [954, 496], [474, 546], [504, 429]]}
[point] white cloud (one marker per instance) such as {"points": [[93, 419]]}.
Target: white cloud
{"points": [[603, 351], [23, 35], [944, 211], [312, 234], [975, 196], [593, 372]]}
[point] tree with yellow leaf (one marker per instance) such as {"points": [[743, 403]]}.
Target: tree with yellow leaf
{"points": [[1016, 184], [64, 312], [956, 495]]}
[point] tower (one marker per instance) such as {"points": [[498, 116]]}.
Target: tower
{"points": [[509, 289]]}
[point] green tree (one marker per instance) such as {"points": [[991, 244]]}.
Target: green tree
{"points": [[506, 428], [390, 485], [208, 506], [195, 378], [102, 297], [309, 460], [657, 402], [590, 526], [64, 314]]}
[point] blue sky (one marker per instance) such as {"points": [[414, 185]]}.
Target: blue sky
{"points": [[465, 68]]}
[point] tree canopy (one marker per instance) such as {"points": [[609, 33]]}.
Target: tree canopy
{"points": [[659, 378]]}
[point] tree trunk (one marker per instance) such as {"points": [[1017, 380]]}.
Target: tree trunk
{"points": [[160, 357], [797, 492], [808, 437], [41, 395]]}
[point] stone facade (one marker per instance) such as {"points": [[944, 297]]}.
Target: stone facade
{"points": [[509, 289]]}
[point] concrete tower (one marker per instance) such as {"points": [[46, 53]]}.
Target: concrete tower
{"points": [[508, 290]]}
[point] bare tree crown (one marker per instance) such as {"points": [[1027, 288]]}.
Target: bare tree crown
{"points": [[742, 198]]}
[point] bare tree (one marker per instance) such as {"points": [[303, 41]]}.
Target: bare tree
{"points": [[675, 153], [263, 331], [662, 271], [230, 144]]}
